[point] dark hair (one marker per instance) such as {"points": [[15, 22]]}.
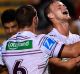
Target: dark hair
{"points": [[47, 8], [8, 16], [43, 10], [24, 15], [43, 19]]}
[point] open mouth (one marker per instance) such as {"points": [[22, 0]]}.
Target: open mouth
{"points": [[65, 13]]}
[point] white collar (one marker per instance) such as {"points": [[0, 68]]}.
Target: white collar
{"points": [[26, 33], [59, 34]]}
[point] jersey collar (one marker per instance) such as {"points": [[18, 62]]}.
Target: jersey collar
{"points": [[59, 34], [26, 33]]}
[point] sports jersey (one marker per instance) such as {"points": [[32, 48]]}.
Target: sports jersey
{"points": [[28, 53], [1, 62], [72, 38]]}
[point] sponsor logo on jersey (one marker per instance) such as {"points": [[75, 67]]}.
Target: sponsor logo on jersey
{"points": [[19, 45], [49, 43]]}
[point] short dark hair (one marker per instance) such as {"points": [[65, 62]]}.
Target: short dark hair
{"points": [[24, 15], [8, 16], [43, 19], [47, 9]]}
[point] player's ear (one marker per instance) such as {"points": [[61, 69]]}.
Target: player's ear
{"points": [[50, 15], [35, 19]]}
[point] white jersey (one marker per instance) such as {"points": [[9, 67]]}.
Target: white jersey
{"points": [[72, 38], [27, 53], [1, 61]]}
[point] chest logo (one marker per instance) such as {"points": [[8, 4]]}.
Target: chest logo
{"points": [[19, 45]]}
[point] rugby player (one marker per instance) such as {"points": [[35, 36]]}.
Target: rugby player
{"points": [[10, 27], [9, 23], [58, 14], [28, 52]]}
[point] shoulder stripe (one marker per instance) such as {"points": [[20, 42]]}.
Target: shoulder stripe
{"points": [[21, 53], [42, 40], [19, 37]]}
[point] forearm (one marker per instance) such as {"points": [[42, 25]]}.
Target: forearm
{"points": [[68, 64], [71, 63], [62, 64], [71, 51]]}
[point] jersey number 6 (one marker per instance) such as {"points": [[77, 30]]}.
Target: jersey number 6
{"points": [[18, 69]]}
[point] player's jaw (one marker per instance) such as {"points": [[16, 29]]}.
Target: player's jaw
{"points": [[65, 14], [64, 10]]}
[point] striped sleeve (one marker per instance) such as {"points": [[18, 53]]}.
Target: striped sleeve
{"points": [[50, 46]]}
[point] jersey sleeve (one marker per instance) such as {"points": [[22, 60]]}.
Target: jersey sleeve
{"points": [[1, 52], [50, 46], [73, 38], [1, 61]]}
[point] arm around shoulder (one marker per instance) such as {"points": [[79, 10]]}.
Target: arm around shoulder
{"points": [[71, 51]]}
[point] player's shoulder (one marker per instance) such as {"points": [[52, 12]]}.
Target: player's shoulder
{"points": [[47, 44], [46, 38], [8, 40], [54, 33], [3, 45], [43, 36], [40, 36], [13, 37], [75, 36]]}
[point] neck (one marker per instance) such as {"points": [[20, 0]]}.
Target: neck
{"points": [[62, 27], [31, 29]]}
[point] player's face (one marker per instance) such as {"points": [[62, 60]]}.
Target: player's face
{"points": [[11, 28], [59, 10]]}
